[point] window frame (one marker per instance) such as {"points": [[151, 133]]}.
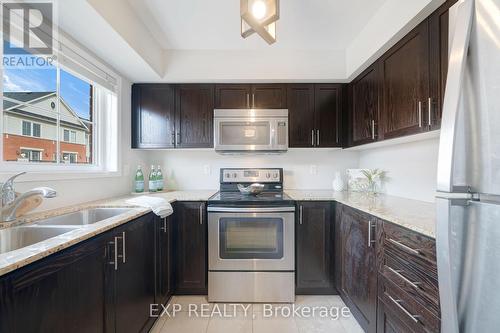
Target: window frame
{"points": [[106, 132]]}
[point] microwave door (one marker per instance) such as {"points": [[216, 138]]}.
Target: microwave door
{"points": [[240, 134]]}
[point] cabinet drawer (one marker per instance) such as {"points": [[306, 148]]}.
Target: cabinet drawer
{"points": [[408, 310], [416, 283], [413, 248]]}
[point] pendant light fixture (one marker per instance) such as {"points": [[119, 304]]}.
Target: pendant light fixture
{"points": [[259, 16]]}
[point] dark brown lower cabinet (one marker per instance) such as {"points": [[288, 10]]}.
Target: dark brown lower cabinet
{"points": [[314, 248], [191, 248], [164, 260], [134, 276], [358, 267], [104, 284], [65, 292]]}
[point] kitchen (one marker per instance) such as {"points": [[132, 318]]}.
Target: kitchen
{"points": [[325, 168]]}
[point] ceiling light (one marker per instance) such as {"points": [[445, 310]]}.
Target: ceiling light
{"points": [[259, 16], [259, 10]]}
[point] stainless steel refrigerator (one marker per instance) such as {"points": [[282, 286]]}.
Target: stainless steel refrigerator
{"points": [[468, 197]]}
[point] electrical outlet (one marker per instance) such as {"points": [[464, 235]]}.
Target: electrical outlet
{"points": [[207, 170], [313, 169]]}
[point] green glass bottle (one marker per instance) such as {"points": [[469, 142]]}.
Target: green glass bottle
{"points": [[159, 179], [152, 179], [139, 180]]}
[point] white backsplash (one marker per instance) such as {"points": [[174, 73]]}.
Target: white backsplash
{"points": [[303, 168]]}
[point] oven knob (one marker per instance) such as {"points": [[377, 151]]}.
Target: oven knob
{"points": [[275, 175], [235, 175], [268, 175]]}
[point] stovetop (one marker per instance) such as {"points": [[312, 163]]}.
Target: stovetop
{"points": [[263, 199], [271, 178]]}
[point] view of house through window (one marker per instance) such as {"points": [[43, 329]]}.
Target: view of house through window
{"points": [[46, 119]]}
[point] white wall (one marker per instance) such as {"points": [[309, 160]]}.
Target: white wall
{"points": [[412, 168], [76, 191], [184, 169]]}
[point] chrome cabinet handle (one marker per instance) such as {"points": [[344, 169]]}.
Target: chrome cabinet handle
{"points": [[419, 113], [201, 214], [405, 247], [398, 273], [173, 138], [429, 106], [115, 261], [373, 129], [370, 238], [248, 100], [178, 138], [300, 214], [317, 138], [164, 228], [402, 308], [312, 138], [123, 248], [253, 100]]}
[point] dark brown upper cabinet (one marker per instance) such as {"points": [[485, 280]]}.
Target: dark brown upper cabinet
{"points": [[314, 115], [327, 109], [242, 96], [153, 116], [301, 115], [232, 96], [314, 248], [438, 41], [363, 111], [194, 107], [405, 84], [172, 116]]}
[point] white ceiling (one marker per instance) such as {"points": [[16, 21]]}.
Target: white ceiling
{"points": [[215, 24]]}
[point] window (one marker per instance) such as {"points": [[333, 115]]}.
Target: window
{"points": [[67, 107], [30, 129], [30, 155], [69, 157]]}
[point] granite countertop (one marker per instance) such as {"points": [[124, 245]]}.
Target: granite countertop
{"points": [[12, 260], [412, 214], [419, 216]]}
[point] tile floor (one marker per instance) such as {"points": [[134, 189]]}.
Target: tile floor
{"points": [[193, 316]]}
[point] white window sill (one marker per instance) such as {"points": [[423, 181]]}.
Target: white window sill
{"points": [[48, 175]]}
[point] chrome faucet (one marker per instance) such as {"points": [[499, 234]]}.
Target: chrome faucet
{"points": [[10, 202]]}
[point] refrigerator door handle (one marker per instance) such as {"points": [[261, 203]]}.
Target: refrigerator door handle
{"points": [[447, 297], [454, 84]]}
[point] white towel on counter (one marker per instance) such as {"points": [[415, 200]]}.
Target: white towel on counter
{"points": [[159, 206]]}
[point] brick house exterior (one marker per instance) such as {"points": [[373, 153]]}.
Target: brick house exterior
{"points": [[30, 129]]}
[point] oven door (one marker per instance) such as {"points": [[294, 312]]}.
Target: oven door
{"points": [[251, 239]]}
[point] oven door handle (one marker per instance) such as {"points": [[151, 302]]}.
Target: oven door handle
{"points": [[250, 209]]}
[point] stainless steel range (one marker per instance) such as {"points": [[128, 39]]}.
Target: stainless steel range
{"points": [[251, 254]]}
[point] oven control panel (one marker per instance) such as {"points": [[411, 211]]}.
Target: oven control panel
{"points": [[251, 175]]}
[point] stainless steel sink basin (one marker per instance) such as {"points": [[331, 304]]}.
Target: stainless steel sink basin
{"points": [[83, 217], [18, 237]]}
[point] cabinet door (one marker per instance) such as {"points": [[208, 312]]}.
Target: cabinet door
{"points": [[135, 276], [164, 260], [301, 115], [153, 114], [268, 96], [388, 322], [314, 248], [359, 271], [194, 105], [438, 34], [191, 250], [232, 96], [64, 292], [327, 107], [363, 106], [405, 84]]}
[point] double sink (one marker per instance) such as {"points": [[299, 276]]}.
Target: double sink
{"points": [[22, 236]]}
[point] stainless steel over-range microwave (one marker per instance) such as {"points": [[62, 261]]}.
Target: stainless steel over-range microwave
{"points": [[251, 130]]}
